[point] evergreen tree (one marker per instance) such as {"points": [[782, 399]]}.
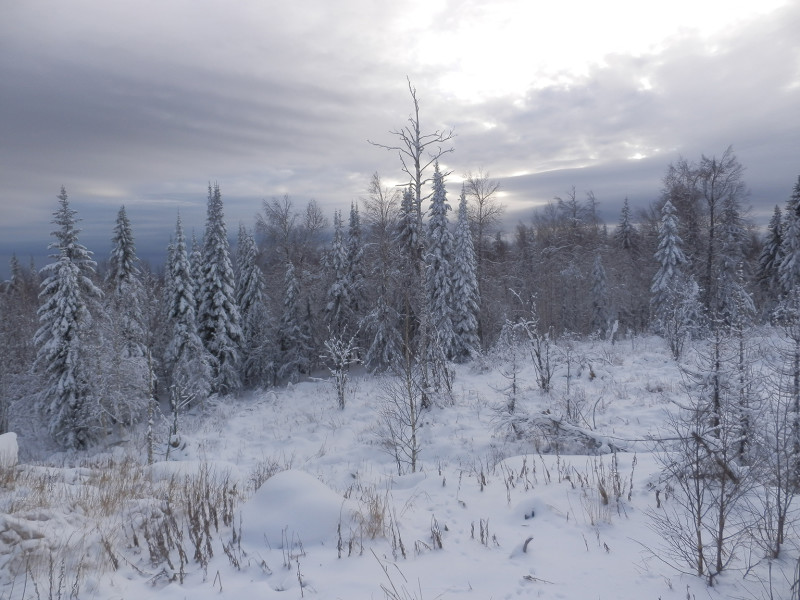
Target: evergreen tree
{"points": [[438, 259], [409, 226], [162, 332], [356, 277], [16, 278], [383, 340], [18, 304], [64, 334], [251, 299], [188, 361], [466, 301], [219, 322], [386, 344], [787, 316], [411, 284], [600, 313], [769, 260], [293, 341], [337, 309], [625, 235], [670, 259], [789, 267], [121, 366], [733, 305], [124, 288], [196, 269], [675, 300]]}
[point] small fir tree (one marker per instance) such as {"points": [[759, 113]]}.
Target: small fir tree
{"points": [[438, 259], [733, 306], [219, 321], [293, 342], [675, 300], [189, 363], [251, 298], [625, 235], [356, 277], [338, 307], [600, 312], [122, 371], [65, 333], [769, 261], [670, 259], [124, 288], [789, 267], [196, 269], [466, 301]]}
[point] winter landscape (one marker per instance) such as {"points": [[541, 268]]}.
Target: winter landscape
{"points": [[400, 301]]}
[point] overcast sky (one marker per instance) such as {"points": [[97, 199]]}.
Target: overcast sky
{"points": [[143, 103]]}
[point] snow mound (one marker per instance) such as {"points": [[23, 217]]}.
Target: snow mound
{"points": [[293, 507], [29, 539], [8, 450]]}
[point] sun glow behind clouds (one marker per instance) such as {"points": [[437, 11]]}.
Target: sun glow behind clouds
{"points": [[503, 48]]}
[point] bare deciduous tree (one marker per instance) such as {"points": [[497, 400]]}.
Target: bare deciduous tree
{"points": [[418, 151], [401, 402]]}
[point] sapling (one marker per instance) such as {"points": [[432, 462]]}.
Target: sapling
{"points": [[341, 353], [179, 398]]}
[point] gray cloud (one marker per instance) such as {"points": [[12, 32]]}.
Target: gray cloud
{"points": [[145, 103]]}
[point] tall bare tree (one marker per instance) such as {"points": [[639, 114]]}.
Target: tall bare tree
{"points": [[418, 151], [720, 183]]}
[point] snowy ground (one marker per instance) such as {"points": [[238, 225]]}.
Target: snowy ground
{"points": [[307, 503]]}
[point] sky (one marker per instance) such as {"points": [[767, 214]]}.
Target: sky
{"points": [[144, 103]]}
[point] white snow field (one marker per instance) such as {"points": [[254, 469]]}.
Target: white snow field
{"points": [[280, 494]]}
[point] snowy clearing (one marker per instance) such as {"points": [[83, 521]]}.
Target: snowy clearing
{"points": [[281, 494]]}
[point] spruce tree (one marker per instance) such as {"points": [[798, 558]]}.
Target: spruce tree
{"points": [[600, 313], [382, 338], [124, 288], [196, 269], [16, 278], [733, 305], [410, 275], [438, 257], [189, 363], [121, 366], [293, 340], [257, 365], [356, 278], [625, 235], [337, 309], [408, 227], [789, 268], [769, 260], [218, 321], [670, 259], [675, 300], [466, 301], [65, 333]]}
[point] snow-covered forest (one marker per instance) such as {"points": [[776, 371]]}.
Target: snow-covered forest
{"points": [[407, 398]]}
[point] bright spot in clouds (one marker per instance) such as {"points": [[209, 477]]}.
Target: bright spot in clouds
{"points": [[502, 48]]}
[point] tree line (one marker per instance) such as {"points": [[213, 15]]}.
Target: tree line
{"points": [[405, 279]]}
